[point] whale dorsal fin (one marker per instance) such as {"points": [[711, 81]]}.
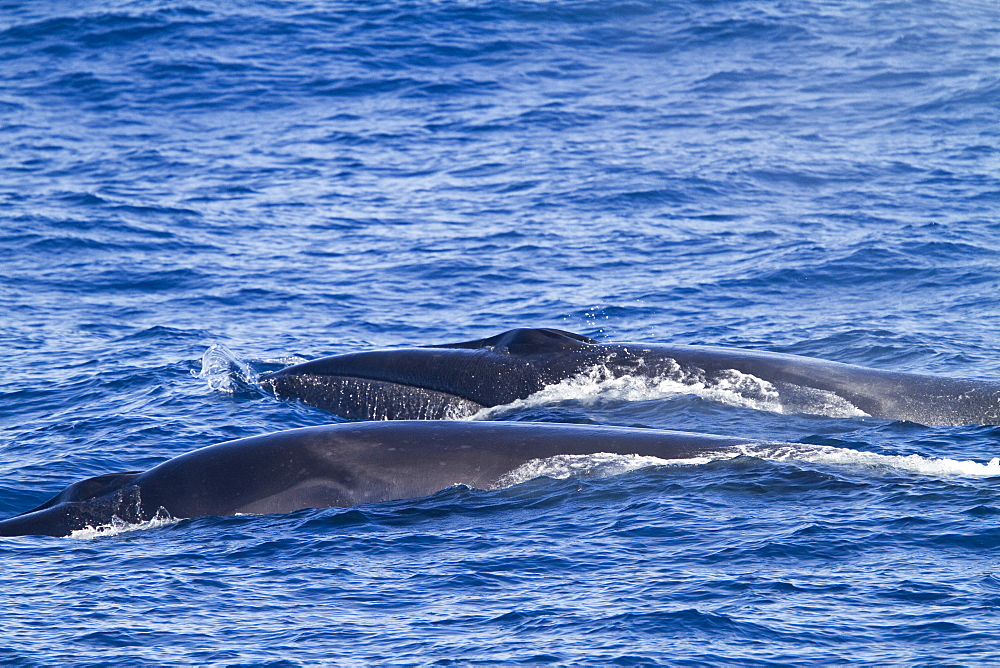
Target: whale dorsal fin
{"points": [[527, 341]]}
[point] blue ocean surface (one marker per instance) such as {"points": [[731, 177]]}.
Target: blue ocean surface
{"points": [[190, 185]]}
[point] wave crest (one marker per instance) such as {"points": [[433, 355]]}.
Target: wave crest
{"points": [[734, 388]]}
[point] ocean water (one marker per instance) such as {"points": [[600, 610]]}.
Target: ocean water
{"points": [[285, 180]]}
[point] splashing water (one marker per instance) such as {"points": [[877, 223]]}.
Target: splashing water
{"points": [[118, 526], [226, 372]]}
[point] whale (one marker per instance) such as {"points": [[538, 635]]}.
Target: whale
{"points": [[459, 380], [343, 464]]}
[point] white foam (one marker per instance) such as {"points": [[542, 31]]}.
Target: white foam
{"points": [[606, 464], [734, 388], [599, 464], [825, 454]]}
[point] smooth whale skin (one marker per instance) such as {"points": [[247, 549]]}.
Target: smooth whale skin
{"points": [[338, 465], [458, 380]]}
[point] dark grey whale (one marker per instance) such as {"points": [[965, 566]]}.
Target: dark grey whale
{"points": [[339, 465], [458, 380]]}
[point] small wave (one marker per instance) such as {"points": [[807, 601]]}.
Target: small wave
{"points": [[605, 464], [734, 388]]}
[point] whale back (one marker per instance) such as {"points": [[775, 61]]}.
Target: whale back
{"points": [[457, 380], [338, 465]]}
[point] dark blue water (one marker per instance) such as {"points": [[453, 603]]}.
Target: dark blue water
{"points": [[307, 178]]}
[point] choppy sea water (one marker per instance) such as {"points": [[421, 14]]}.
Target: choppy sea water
{"points": [[307, 178]]}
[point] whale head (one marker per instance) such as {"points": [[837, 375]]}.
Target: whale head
{"points": [[445, 381]]}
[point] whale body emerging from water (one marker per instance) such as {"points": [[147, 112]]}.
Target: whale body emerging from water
{"points": [[339, 465], [458, 380]]}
